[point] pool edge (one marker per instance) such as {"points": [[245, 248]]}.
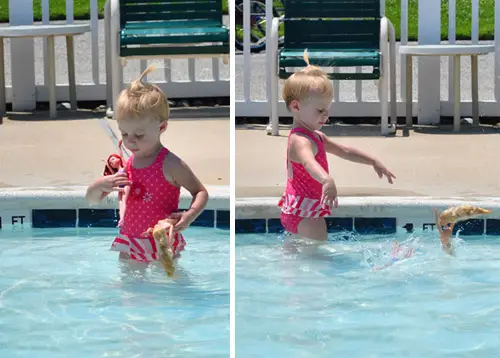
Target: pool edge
{"points": [[371, 215], [65, 206]]}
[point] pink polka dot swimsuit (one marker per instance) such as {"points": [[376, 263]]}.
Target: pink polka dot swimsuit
{"points": [[152, 197], [302, 197]]}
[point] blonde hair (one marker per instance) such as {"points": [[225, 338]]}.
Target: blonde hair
{"points": [[311, 80], [142, 100]]}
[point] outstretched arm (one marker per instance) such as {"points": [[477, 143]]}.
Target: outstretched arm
{"points": [[346, 152], [357, 156]]}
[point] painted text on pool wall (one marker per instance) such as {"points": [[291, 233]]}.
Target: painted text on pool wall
{"points": [[426, 226], [15, 220]]}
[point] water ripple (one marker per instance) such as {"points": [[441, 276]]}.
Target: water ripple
{"points": [[324, 301], [64, 293]]}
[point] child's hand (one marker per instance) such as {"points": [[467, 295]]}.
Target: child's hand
{"points": [[115, 182], [329, 194], [382, 170], [185, 219]]}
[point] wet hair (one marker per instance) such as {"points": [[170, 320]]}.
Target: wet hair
{"points": [[310, 81], [142, 100]]}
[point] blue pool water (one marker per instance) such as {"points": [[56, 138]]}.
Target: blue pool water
{"points": [[294, 300], [64, 294]]}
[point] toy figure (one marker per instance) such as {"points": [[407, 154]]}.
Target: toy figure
{"points": [[459, 213], [164, 235], [115, 164]]}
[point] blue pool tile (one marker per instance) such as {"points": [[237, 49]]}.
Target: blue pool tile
{"points": [[206, 219], [250, 226], [51, 218], [223, 219], [493, 227], [98, 217], [335, 225], [366, 226], [470, 227], [274, 226]]}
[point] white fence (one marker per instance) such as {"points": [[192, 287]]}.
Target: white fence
{"points": [[26, 72], [434, 92]]}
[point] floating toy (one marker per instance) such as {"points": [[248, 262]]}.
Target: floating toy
{"points": [[459, 213]]}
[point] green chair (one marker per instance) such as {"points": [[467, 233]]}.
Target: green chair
{"points": [[336, 33], [147, 29]]}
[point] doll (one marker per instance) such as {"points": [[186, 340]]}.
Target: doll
{"points": [[163, 233], [459, 213], [114, 164]]}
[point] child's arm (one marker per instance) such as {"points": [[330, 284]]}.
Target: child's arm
{"points": [[301, 151], [355, 155], [179, 173], [103, 186]]}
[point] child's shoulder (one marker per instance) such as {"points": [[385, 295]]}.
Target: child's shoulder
{"points": [[302, 138], [170, 162], [175, 169], [170, 157], [321, 136]]}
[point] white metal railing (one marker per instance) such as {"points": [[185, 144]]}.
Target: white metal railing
{"points": [[179, 78], [360, 98]]}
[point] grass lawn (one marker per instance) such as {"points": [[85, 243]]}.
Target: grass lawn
{"points": [[463, 19], [58, 9], [393, 10]]}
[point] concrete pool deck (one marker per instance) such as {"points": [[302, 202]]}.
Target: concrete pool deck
{"points": [[37, 152], [67, 151], [429, 162]]}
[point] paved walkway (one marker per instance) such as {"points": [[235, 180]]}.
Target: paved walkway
{"points": [[429, 162], [35, 151]]}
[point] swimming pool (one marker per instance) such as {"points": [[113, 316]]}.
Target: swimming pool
{"points": [[299, 301], [63, 293]]}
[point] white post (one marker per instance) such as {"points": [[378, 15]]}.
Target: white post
{"points": [[497, 51], [404, 41], [247, 66], [22, 58], [429, 91], [452, 31]]}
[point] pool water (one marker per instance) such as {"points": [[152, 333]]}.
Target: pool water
{"points": [[63, 293], [298, 300]]}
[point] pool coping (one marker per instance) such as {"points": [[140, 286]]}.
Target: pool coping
{"points": [[372, 215], [65, 206]]}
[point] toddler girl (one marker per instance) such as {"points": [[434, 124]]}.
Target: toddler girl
{"points": [[154, 174], [310, 191]]}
